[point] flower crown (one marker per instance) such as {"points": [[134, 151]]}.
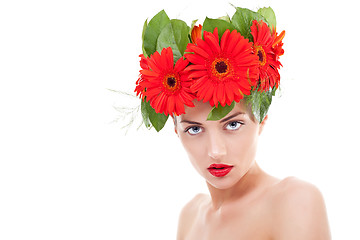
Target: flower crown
{"points": [[221, 62]]}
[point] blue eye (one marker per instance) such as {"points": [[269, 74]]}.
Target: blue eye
{"points": [[233, 125], [194, 130]]}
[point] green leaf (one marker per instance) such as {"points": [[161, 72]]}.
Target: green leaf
{"points": [[225, 18], [142, 36], [210, 24], [175, 35], [269, 15], [260, 102], [243, 19], [153, 30], [157, 120], [145, 114], [193, 23], [220, 112]]}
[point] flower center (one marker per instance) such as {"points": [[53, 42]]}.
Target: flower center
{"points": [[171, 82], [261, 54], [220, 67]]}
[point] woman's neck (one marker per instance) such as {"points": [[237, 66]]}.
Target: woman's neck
{"points": [[242, 189]]}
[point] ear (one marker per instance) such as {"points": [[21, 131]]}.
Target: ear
{"points": [[262, 124]]}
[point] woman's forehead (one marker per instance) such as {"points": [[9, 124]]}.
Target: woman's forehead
{"points": [[201, 111]]}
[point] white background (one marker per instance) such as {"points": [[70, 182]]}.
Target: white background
{"points": [[68, 171]]}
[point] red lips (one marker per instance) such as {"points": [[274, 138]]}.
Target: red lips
{"points": [[219, 170]]}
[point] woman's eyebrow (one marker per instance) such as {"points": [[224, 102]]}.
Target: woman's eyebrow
{"points": [[231, 116], [221, 121], [190, 122]]}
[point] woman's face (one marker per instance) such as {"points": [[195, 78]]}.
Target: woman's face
{"points": [[221, 151]]}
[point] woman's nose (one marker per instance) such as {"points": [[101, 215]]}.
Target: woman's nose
{"points": [[217, 146]]}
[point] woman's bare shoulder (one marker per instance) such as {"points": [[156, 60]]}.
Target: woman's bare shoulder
{"points": [[299, 209], [291, 185], [189, 213], [294, 190]]}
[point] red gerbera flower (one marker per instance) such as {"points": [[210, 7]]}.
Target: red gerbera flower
{"points": [[269, 64], [139, 86], [223, 72], [196, 33], [166, 86], [277, 45]]}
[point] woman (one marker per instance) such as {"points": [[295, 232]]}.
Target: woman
{"points": [[244, 202], [217, 83]]}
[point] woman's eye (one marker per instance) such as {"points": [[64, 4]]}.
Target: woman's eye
{"points": [[194, 130], [233, 125]]}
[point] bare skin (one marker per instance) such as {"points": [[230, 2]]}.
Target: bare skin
{"points": [[247, 203]]}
